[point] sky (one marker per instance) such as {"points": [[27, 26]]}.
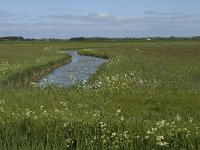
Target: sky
{"points": [[99, 18]]}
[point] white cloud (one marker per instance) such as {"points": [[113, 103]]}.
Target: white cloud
{"points": [[102, 24], [104, 15]]}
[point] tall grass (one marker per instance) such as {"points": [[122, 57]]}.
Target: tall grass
{"points": [[29, 65], [146, 97]]}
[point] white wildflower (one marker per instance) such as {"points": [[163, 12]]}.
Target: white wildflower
{"points": [[190, 119], [118, 112], [113, 134], [178, 118], [162, 143], [146, 137], [161, 123], [122, 118], [159, 138]]}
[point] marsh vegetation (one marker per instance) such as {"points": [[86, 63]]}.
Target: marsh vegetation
{"points": [[147, 96]]}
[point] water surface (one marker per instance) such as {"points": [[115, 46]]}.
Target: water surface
{"points": [[77, 71]]}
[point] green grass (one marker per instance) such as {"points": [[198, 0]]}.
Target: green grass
{"points": [[146, 97]]}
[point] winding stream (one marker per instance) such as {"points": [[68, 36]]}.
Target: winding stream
{"points": [[77, 71]]}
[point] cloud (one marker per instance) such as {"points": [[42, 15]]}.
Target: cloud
{"points": [[103, 24], [11, 16], [68, 10], [102, 17], [152, 12], [73, 10], [4, 14]]}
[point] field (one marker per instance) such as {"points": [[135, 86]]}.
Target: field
{"points": [[146, 97]]}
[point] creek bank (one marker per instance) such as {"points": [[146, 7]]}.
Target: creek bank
{"points": [[77, 71]]}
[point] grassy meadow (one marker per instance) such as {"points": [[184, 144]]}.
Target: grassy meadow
{"points": [[146, 97]]}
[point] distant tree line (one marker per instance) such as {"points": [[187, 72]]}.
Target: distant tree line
{"points": [[20, 38], [133, 39], [89, 39], [12, 38]]}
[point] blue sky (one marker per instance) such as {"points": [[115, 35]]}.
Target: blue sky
{"points": [[105, 18]]}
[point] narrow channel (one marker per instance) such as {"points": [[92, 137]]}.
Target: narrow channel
{"points": [[78, 70]]}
